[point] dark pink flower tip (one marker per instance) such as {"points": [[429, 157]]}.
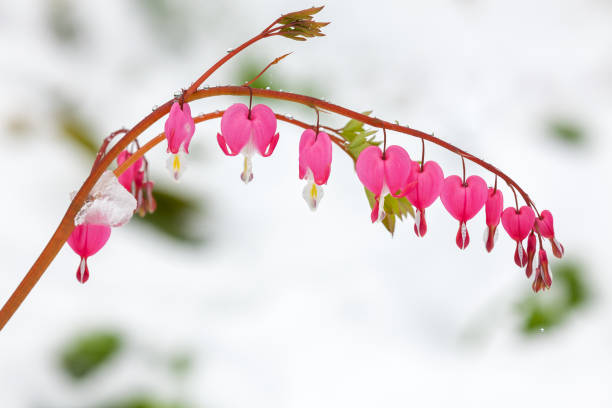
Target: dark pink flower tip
{"points": [[520, 256], [420, 224], [543, 268], [86, 240], [132, 178], [531, 250], [179, 128], [491, 234], [518, 223], [463, 201], [391, 174], [463, 236], [315, 155], [258, 131], [494, 206]]}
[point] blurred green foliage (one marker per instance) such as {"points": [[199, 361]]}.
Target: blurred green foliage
{"points": [[570, 292], [62, 22], [142, 401], [567, 132], [176, 213], [86, 353]]}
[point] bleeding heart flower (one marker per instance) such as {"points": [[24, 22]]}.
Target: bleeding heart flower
{"points": [[517, 224], [247, 132], [463, 201], [86, 240], [133, 177], [544, 225], [493, 208], [531, 250], [390, 173], [543, 278], [429, 180], [314, 165], [179, 129]]}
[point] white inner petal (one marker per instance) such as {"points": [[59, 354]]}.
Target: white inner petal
{"points": [[312, 192]]}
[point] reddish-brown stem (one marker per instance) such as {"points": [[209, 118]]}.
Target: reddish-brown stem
{"points": [[67, 223], [276, 60], [422, 153]]}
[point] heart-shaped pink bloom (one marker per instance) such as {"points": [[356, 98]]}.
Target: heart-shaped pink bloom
{"points": [[493, 208], [427, 189], [314, 165], [544, 225], [132, 178], [86, 240], [179, 128], [248, 132], [518, 224], [463, 202], [389, 175], [315, 155]]}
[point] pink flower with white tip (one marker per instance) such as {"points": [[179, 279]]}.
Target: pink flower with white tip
{"points": [[429, 179], [136, 180], [248, 131], [517, 224], [384, 173], [314, 165], [463, 200], [179, 129], [544, 225], [109, 205], [86, 240], [493, 208]]}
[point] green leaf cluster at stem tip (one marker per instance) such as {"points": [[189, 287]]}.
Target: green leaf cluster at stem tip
{"points": [[299, 25]]}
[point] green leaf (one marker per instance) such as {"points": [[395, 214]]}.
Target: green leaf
{"points": [[567, 132], [394, 208], [358, 137], [551, 309], [142, 401], [88, 352], [176, 215]]}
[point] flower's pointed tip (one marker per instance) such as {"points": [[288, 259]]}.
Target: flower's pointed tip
{"points": [[82, 273], [420, 225], [491, 233], [176, 165], [312, 194], [463, 237]]}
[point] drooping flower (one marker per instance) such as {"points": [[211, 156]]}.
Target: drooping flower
{"points": [[136, 180], [429, 179], [108, 205], [517, 224], [544, 225], [314, 165], [543, 277], [248, 132], [133, 177], [493, 208], [179, 129], [463, 201], [382, 174], [86, 240], [531, 250]]}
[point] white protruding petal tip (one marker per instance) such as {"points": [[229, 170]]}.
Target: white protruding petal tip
{"points": [[176, 165], [312, 194]]}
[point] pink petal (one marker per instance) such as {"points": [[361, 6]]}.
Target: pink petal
{"points": [[429, 183], [462, 239], [370, 169], [272, 146], [531, 250], [82, 273], [223, 145], [520, 256], [544, 224], [494, 206], [490, 240], [316, 155], [420, 224], [87, 239], [518, 223], [463, 202], [264, 127], [188, 126], [398, 169], [236, 127]]}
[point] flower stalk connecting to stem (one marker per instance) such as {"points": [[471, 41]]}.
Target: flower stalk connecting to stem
{"points": [[388, 174]]}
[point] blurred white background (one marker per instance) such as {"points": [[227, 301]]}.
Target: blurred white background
{"points": [[279, 307]]}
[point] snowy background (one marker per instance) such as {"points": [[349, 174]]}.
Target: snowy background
{"points": [[271, 305]]}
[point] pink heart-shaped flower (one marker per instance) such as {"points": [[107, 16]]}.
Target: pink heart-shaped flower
{"points": [[392, 171], [518, 223], [179, 128], [426, 190], [315, 155], [238, 129], [463, 201]]}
